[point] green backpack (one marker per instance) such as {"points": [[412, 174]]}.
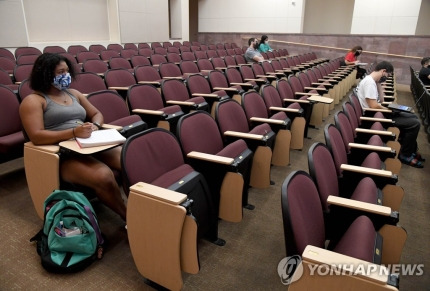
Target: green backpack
{"points": [[70, 239]]}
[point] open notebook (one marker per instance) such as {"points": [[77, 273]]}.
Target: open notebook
{"points": [[101, 137]]}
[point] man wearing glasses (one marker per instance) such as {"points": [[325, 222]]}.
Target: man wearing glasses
{"points": [[370, 94], [252, 55]]}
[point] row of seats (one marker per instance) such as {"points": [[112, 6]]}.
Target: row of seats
{"points": [[348, 198], [421, 94]]}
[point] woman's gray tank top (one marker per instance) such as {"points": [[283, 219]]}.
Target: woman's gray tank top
{"points": [[59, 117]]}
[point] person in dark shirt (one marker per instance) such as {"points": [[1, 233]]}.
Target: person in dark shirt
{"points": [[424, 74]]}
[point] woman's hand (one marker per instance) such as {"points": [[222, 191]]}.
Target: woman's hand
{"points": [[84, 130]]}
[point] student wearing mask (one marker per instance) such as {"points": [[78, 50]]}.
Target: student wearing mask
{"points": [[370, 94], [252, 55], [264, 44], [424, 74], [351, 59], [54, 113]]}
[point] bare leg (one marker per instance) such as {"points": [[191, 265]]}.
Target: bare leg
{"points": [[90, 172]]}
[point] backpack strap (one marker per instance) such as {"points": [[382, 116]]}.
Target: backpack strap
{"points": [[100, 239]]}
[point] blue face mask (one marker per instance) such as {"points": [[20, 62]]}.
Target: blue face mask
{"points": [[62, 81]]}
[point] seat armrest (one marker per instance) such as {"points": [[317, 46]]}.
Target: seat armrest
{"points": [[186, 103], [158, 193], [296, 101], [149, 82], [359, 205], [118, 88], [204, 95], [292, 110], [387, 120], [111, 126], [266, 76], [377, 110], [244, 135], [225, 89], [367, 171], [371, 131], [371, 147], [150, 112], [321, 99], [210, 158], [242, 84], [267, 120]]}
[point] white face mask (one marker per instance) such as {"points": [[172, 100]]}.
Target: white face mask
{"points": [[266, 42]]}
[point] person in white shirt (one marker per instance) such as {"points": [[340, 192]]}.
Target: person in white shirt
{"points": [[370, 94]]}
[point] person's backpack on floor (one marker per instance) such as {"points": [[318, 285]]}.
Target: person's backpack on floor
{"points": [[70, 239]]}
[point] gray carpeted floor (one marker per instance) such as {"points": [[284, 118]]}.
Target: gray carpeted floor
{"points": [[247, 262]]}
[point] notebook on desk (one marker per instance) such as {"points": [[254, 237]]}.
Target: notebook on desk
{"points": [[101, 137], [399, 107]]}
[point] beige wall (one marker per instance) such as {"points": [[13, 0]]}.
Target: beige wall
{"points": [[393, 17], [244, 15], [423, 24], [329, 16], [13, 31]]}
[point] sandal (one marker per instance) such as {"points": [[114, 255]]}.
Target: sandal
{"points": [[411, 161], [419, 157]]}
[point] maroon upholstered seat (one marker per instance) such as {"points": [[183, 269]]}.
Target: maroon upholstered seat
{"points": [[121, 79], [198, 131], [304, 223], [81, 57], [95, 66], [11, 136], [145, 96], [88, 82], [175, 90], [154, 156]]}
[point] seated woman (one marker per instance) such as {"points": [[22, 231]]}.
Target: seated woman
{"points": [[264, 44], [54, 113], [351, 59]]}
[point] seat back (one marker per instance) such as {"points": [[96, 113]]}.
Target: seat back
{"points": [[221, 52], [200, 55], [81, 57], [356, 104], [173, 57], [5, 78], [160, 50], [54, 49], [7, 64], [130, 46], [22, 72], [141, 45], [184, 48], [96, 48], [295, 84], [230, 61], [218, 62], [233, 75], [27, 50], [128, 53], [198, 84], [26, 59], [157, 59], [188, 56], [258, 69], [267, 67], [323, 171], [148, 155], [354, 120], [119, 78], [95, 66], [240, 60], [119, 63], [4, 52], [75, 49], [198, 131], [212, 54], [301, 213], [345, 128], [146, 73], [24, 89], [167, 44], [271, 96], [173, 49], [169, 70], [205, 64], [218, 79], [230, 116], [9, 109], [146, 52], [88, 82], [247, 72], [144, 96], [115, 46], [110, 104], [106, 55], [155, 44], [138, 60], [334, 142], [174, 90], [189, 67], [230, 52], [177, 44], [254, 105]]}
